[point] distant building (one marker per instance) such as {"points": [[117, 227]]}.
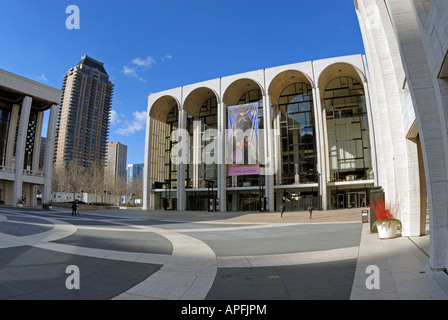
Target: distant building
{"points": [[22, 105], [43, 142], [135, 172], [83, 122], [116, 160]]}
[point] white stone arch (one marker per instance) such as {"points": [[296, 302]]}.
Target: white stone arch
{"points": [[239, 86], [339, 69], [159, 106], [285, 78], [328, 71], [195, 99]]}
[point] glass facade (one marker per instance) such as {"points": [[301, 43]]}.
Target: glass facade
{"points": [[298, 138], [172, 123], [5, 115], [208, 116], [348, 130], [348, 142]]}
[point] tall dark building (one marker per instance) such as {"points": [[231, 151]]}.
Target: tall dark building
{"points": [[83, 121]]}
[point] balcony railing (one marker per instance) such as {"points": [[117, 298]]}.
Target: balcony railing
{"points": [[33, 173], [7, 169]]}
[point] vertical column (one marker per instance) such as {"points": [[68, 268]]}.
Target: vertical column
{"points": [[269, 158], [222, 192], [20, 149], [181, 196], [148, 168], [320, 147], [49, 154], [277, 145], [10, 144], [197, 151], [371, 131]]}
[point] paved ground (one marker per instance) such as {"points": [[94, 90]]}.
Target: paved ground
{"points": [[132, 254]]}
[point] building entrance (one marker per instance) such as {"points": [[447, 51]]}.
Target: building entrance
{"points": [[348, 199], [202, 201], [251, 201]]}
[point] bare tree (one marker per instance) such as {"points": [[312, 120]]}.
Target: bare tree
{"points": [[134, 189], [75, 175], [95, 179], [59, 181]]}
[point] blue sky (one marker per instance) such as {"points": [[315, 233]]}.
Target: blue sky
{"points": [[150, 46]]}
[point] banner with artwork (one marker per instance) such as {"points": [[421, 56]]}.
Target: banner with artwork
{"points": [[243, 140]]}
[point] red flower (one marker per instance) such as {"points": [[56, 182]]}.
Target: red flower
{"points": [[382, 212]]}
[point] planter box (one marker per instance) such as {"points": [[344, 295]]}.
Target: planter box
{"points": [[387, 232]]}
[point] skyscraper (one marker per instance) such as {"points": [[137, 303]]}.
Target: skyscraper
{"points": [[116, 161], [83, 121], [135, 172]]}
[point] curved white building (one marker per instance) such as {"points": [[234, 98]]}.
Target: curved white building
{"points": [[406, 44], [315, 135]]}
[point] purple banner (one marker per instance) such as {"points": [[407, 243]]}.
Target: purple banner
{"points": [[243, 139]]}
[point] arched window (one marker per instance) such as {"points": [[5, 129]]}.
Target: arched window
{"points": [[172, 123], [208, 115], [348, 130], [298, 141]]}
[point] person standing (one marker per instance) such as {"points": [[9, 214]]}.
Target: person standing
{"points": [[310, 210], [283, 208], [74, 208]]}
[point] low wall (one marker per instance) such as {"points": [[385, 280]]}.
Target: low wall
{"points": [[84, 207]]}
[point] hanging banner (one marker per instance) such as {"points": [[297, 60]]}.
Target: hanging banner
{"points": [[243, 140]]}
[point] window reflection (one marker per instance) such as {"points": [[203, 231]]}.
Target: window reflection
{"points": [[171, 166], [299, 155], [348, 130]]}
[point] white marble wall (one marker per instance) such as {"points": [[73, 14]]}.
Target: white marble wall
{"points": [[406, 44]]}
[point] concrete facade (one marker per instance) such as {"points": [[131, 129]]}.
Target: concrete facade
{"points": [[406, 45], [22, 104], [186, 103], [117, 155]]}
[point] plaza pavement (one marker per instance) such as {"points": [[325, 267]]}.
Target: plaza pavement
{"points": [[135, 254]]}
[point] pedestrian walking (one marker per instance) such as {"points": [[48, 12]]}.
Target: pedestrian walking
{"points": [[283, 208], [310, 210], [74, 208]]}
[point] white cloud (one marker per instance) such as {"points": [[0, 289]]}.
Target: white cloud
{"points": [[42, 78], [147, 62], [137, 64], [137, 124], [132, 72], [166, 57], [114, 117]]}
